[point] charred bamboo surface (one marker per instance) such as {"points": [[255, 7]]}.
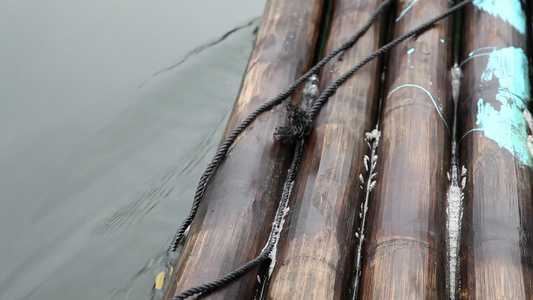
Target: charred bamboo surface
{"points": [[235, 216], [497, 230], [315, 259], [404, 250]]}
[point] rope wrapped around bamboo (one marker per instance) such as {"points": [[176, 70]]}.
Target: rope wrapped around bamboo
{"points": [[317, 249], [235, 216]]}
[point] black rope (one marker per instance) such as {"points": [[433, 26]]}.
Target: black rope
{"points": [[271, 242], [223, 149], [328, 92], [299, 128]]}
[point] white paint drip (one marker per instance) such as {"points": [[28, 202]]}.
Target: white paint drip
{"points": [[456, 75], [455, 194], [454, 211], [276, 235], [310, 93], [370, 163]]}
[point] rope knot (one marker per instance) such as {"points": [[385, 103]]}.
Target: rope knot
{"points": [[300, 125]]}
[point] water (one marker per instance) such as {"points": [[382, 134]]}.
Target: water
{"points": [[99, 156]]}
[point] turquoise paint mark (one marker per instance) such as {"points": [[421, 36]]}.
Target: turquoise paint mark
{"points": [[507, 126], [442, 41], [484, 51], [430, 97], [469, 131], [406, 10], [473, 56], [409, 52], [509, 11], [481, 49]]}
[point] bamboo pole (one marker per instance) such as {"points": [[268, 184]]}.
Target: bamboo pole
{"points": [[315, 259], [404, 250], [234, 219], [497, 231]]}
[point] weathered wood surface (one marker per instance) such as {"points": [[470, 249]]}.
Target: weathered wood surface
{"points": [[236, 213], [404, 250], [316, 255], [497, 230]]}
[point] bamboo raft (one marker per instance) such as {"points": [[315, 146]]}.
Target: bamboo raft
{"points": [[368, 211]]}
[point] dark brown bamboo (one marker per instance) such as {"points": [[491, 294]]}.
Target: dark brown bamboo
{"points": [[404, 250], [497, 230], [317, 247], [238, 207]]}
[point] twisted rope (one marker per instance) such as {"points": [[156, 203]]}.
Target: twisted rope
{"points": [[328, 92], [223, 149]]}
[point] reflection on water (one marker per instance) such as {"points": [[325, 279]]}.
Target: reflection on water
{"points": [[98, 172]]}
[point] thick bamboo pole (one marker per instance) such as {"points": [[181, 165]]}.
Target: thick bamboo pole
{"points": [[236, 213], [497, 231], [404, 249], [317, 248]]}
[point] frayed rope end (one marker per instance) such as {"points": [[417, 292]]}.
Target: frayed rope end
{"points": [[300, 125]]}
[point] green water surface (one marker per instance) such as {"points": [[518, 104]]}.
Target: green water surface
{"points": [[109, 111]]}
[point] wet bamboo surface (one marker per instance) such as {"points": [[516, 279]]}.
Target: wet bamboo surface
{"points": [[316, 253], [404, 253], [497, 229], [236, 213]]}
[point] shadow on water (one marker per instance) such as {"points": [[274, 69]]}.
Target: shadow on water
{"points": [[115, 226]]}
